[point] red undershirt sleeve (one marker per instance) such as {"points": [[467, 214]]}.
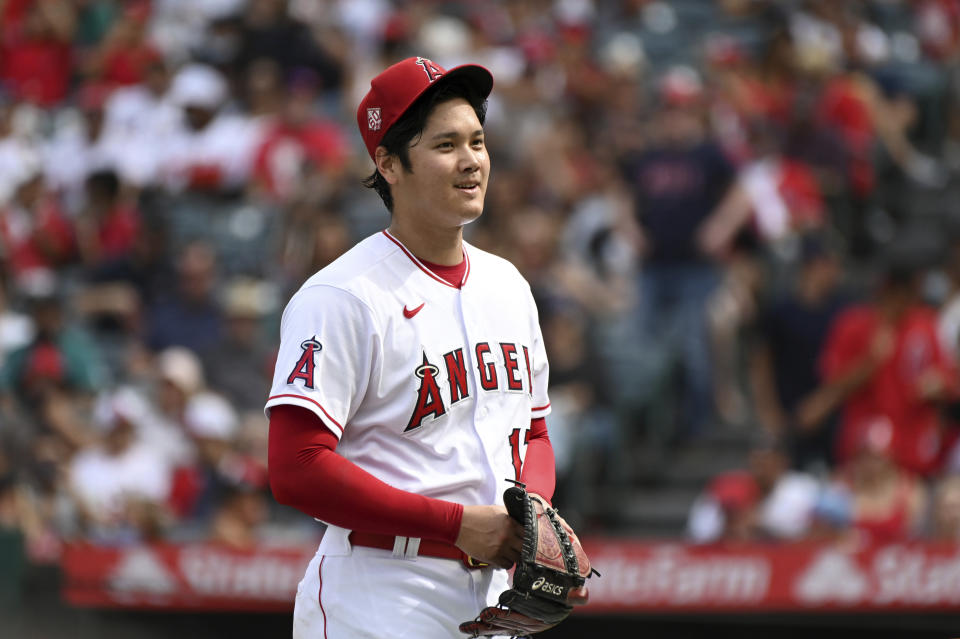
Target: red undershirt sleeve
{"points": [[539, 471], [307, 474]]}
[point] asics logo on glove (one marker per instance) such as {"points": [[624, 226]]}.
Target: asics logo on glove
{"points": [[546, 586]]}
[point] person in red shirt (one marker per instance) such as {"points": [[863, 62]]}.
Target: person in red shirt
{"points": [[35, 55], [888, 502], [884, 360], [300, 148], [34, 233], [108, 227], [124, 56]]}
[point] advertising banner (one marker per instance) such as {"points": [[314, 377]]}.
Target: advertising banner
{"points": [[637, 577]]}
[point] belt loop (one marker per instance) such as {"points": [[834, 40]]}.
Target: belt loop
{"points": [[399, 546], [413, 547]]}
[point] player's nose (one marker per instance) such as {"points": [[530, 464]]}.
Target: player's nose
{"points": [[470, 160]]}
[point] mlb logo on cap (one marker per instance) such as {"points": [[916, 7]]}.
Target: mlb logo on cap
{"points": [[373, 119], [398, 87]]}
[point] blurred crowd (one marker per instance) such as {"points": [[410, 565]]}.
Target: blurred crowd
{"points": [[733, 214]]}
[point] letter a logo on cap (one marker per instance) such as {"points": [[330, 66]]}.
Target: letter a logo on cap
{"points": [[374, 121], [432, 70]]}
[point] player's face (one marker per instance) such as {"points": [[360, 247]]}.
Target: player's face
{"points": [[450, 167]]}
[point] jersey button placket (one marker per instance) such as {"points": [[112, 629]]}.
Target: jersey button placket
{"points": [[472, 334]]}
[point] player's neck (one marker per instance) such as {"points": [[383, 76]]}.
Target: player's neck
{"points": [[436, 245]]}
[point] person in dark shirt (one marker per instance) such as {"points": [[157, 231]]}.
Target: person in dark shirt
{"points": [[190, 316], [784, 365], [268, 31], [241, 361], [676, 187], [678, 183]]}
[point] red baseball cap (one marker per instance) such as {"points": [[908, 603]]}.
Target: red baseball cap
{"points": [[735, 490], [396, 88], [876, 435]]}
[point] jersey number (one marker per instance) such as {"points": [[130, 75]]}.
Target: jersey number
{"points": [[514, 440]]}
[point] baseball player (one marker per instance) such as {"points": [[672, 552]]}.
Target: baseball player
{"points": [[411, 384]]}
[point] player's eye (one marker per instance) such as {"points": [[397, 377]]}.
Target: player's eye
{"points": [[478, 143], [445, 145]]}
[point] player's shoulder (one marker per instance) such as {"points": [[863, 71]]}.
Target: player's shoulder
{"points": [[490, 266], [356, 266], [356, 276]]}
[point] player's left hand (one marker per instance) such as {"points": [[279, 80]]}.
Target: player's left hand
{"points": [[489, 534]]}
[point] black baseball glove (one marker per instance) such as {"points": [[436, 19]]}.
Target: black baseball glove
{"points": [[549, 578]]}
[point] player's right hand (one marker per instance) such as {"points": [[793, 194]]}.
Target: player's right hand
{"points": [[490, 535]]}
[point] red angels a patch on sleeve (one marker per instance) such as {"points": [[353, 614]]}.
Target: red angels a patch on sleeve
{"points": [[304, 367]]}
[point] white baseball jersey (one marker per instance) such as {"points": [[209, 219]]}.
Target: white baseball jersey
{"points": [[429, 387]]}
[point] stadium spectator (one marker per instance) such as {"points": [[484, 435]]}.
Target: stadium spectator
{"points": [[772, 90], [270, 31], [120, 483], [242, 360], [80, 146], [313, 235], [832, 517], [240, 517], [678, 181], [584, 431], [838, 33], [784, 372], [35, 55], [219, 467], [180, 377], [107, 227], [301, 155], [164, 437], [888, 502], [35, 235], [44, 504], [210, 149], [21, 145], [16, 329], [59, 359], [123, 55], [938, 28], [884, 359], [775, 197], [903, 168], [174, 377], [767, 501], [141, 115], [179, 27], [148, 268], [727, 511], [732, 311], [189, 315]]}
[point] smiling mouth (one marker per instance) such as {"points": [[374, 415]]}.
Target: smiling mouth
{"points": [[468, 187]]}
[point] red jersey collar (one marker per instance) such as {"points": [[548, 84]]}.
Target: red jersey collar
{"points": [[423, 267]]}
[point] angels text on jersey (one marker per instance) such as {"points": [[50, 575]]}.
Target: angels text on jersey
{"points": [[442, 381]]}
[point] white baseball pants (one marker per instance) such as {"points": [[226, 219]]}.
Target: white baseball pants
{"points": [[372, 594]]}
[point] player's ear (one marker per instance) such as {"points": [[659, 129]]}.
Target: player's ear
{"points": [[387, 163]]}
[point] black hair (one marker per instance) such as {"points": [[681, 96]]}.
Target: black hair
{"points": [[104, 182], [398, 138]]}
